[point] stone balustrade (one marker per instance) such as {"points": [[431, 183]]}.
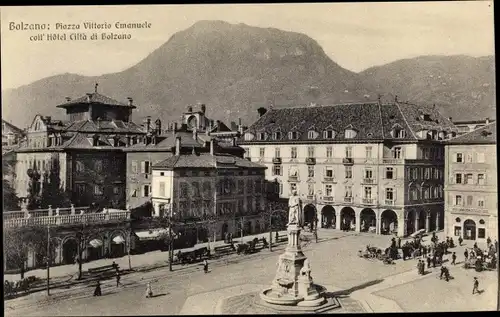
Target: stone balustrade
{"points": [[35, 213], [68, 219]]}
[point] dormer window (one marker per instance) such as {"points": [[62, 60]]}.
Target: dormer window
{"points": [[329, 134], [293, 135], [399, 133], [248, 136], [261, 136], [311, 135], [277, 135], [350, 133]]}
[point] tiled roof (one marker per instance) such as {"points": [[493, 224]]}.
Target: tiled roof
{"points": [[94, 98], [206, 160], [484, 135], [12, 127], [371, 121], [114, 126], [167, 141]]}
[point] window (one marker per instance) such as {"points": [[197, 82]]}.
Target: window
{"points": [[310, 171], [98, 166], [161, 192], [469, 200], [329, 134], [247, 152], [389, 172], [146, 190], [458, 178], [281, 189], [310, 151], [162, 173], [146, 167], [368, 152], [348, 172], [277, 135], [414, 173], [98, 190], [328, 190], [480, 157], [261, 136], [293, 187], [262, 152], [134, 167], [294, 171], [389, 193], [426, 193], [435, 173], [481, 233], [458, 200], [425, 153], [293, 135], [329, 171], [348, 191], [329, 152], [459, 158], [426, 173], [480, 202], [277, 152], [480, 179], [80, 167], [293, 152], [277, 170], [310, 189], [350, 134], [116, 190], [469, 157], [80, 189], [368, 174], [413, 194], [348, 151], [468, 179], [133, 192], [368, 192], [248, 136], [397, 152], [311, 135]]}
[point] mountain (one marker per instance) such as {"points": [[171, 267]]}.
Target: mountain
{"points": [[462, 87], [235, 69]]}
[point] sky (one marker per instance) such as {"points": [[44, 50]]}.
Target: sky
{"points": [[354, 35]]}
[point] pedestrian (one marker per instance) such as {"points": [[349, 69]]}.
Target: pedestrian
{"points": [[419, 268], [442, 273], [434, 260], [453, 258], [97, 291], [466, 254], [460, 240], [476, 286], [422, 267], [429, 262], [399, 243], [475, 245], [118, 277], [149, 290], [488, 242], [205, 266]]}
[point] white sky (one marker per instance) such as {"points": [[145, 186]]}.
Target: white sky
{"points": [[355, 35]]}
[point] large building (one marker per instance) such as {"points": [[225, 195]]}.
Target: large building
{"points": [[81, 158], [376, 166], [471, 196], [466, 126], [215, 187], [195, 131], [11, 136]]}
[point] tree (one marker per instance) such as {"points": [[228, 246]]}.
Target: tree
{"points": [[53, 194], [210, 222], [33, 188], [83, 233], [10, 199], [19, 241]]}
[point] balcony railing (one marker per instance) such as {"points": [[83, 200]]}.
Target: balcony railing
{"points": [[310, 197], [392, 161], [368, 180], [293, 177], [276, 160], [41, 213], [368, 201], [389, 202], [348, 199], [328, 198], [311, 161], [329, 179], [348, 160], [116, 216]]}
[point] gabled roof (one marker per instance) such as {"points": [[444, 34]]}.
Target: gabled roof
{"points": [[12, 127], [371, 120], [94, 98], [484, 135], [206, 160]]}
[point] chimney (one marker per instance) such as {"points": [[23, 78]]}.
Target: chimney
{"points": [[178, 146], [487, 120], [212, 145], [68, 99], [235, 141], [262, 111], [203, 108], [158, 126], [449, 118], [130, 101], [195, 134], [189, 109], [234, 127], [89, 97], [240, 126]]}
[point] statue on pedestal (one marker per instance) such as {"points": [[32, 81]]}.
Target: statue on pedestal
{"points": [[294, 209], [306, 269]]}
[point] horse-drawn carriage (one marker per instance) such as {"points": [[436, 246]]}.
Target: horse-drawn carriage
{"points": [[21, 286], [248, 247], [192, 256]]}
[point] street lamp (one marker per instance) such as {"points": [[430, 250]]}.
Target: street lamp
{"points": [[171, 244], [273, 208]]}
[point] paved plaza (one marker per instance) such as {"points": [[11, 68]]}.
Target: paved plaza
{"points": [[359, 284]]}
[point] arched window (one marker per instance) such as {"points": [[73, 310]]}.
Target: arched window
{"points": [[293, 135], [311, 135], [329, 134], [350, 133]]}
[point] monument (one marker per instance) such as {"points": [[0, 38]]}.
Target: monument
{"points": [[293, 284]]}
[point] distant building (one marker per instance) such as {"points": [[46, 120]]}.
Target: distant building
{"points": [[82, 157], [471, 202], [201, 186], [11, 136], [471, 125], [369, 166]]}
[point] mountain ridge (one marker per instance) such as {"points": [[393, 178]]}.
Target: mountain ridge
{"points": [[239, 68]]}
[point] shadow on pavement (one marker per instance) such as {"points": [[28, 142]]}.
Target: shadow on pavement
{"points": [[353, 289]]}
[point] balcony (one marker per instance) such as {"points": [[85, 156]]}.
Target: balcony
{"points": [[276, 160], [328, 198], [310, 197], [368, 181], [347, 161], [62, 220], [311, 161], [368, 201], [389, 202], [392, 161], [348, 199], [293, 178], [329, 179]]}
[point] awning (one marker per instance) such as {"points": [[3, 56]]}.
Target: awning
{"points": [[95, 243], [118, 240], [154, 234]]}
